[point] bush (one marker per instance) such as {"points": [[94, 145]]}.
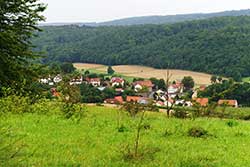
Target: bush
{"points": [[15, 104], [46, 106], [246, 117], [231, 123], [180, 114], [73, 111], [197, 132]]}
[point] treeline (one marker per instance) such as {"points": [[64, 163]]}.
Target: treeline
{"points": [[218, 46], [228, 89]]}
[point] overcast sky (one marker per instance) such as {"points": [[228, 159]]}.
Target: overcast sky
{"points": [[105, 10]]}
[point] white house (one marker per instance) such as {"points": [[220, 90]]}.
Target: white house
{"points": [[116, 81]]}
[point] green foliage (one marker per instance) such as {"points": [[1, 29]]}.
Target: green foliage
{"points": [[188, 82], [159, 83], [110, 70], [90, 94], [67, 68], [228, 90], [197, 132], [15, 104], [73, 111], [18, 19], [11, 147], [213, 79], [231, 123], [217, 46], [43, 137]]}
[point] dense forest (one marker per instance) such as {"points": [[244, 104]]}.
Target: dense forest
{"points": [[218, 46]]}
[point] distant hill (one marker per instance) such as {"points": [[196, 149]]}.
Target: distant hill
{"points": [[217, 46], [169, 19]]}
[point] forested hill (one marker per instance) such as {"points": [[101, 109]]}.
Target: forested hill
{"points": [[169, 19], [219, 46]]}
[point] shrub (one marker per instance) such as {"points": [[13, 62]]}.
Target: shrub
{"points": [[122, 129], [73, 111], [15, 104], [231, 123], [197, 132], [180, 114], [246, 117]]}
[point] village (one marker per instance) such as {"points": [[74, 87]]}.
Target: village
{"points": [[143, 91]]}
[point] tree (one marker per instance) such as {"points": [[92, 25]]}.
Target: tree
{"points": [[213, 79], [162, 84], [18, 21], [110, 70], [220, 79], [188, 82], [67, 68]]}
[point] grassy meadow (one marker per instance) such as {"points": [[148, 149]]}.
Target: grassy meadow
{"points": [[51, 140]]}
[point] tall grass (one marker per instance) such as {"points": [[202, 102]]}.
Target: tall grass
{"points": [[52, 140]]}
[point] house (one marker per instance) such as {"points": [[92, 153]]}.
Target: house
{"points": [[119, 99], [111, 101], [94, 81], [202, 88], [57, 78], [164, 104], [48, 81], [116, 81], [101, 88], [183, 103], [175, 89], [119, 91], [202, 101], [144, 100], [231, 103], [160, 95], [76, 81], [139, 85], [133, 98], [115, 100]]}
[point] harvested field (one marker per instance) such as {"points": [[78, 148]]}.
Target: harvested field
{"points": [[148, 72], [86, 66]]}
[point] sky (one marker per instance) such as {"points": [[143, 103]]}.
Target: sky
{"points": [[106, 10]]}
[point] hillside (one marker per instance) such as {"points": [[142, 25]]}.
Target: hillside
{"points": [[216, 46], [97, 140], [168, 19], [148, 72]]}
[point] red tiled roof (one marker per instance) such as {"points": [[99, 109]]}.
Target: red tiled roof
{"points": [[160, 103], [111, 101], [202, 87], [93, 79], [133, 98], [146, 83], [228, 102], [119, 99], [117, 79], [202, 101]]}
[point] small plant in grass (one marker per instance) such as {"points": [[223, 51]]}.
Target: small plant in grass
{"points": [[231, 123], [246, 117], [197, 132], [167, 133], [134, 109]]}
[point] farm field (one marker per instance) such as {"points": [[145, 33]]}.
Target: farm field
{"points": [[148, 72], [51, 140]]}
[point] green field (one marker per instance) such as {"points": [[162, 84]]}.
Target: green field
{"points": [[246, 79], [51, 140]]}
